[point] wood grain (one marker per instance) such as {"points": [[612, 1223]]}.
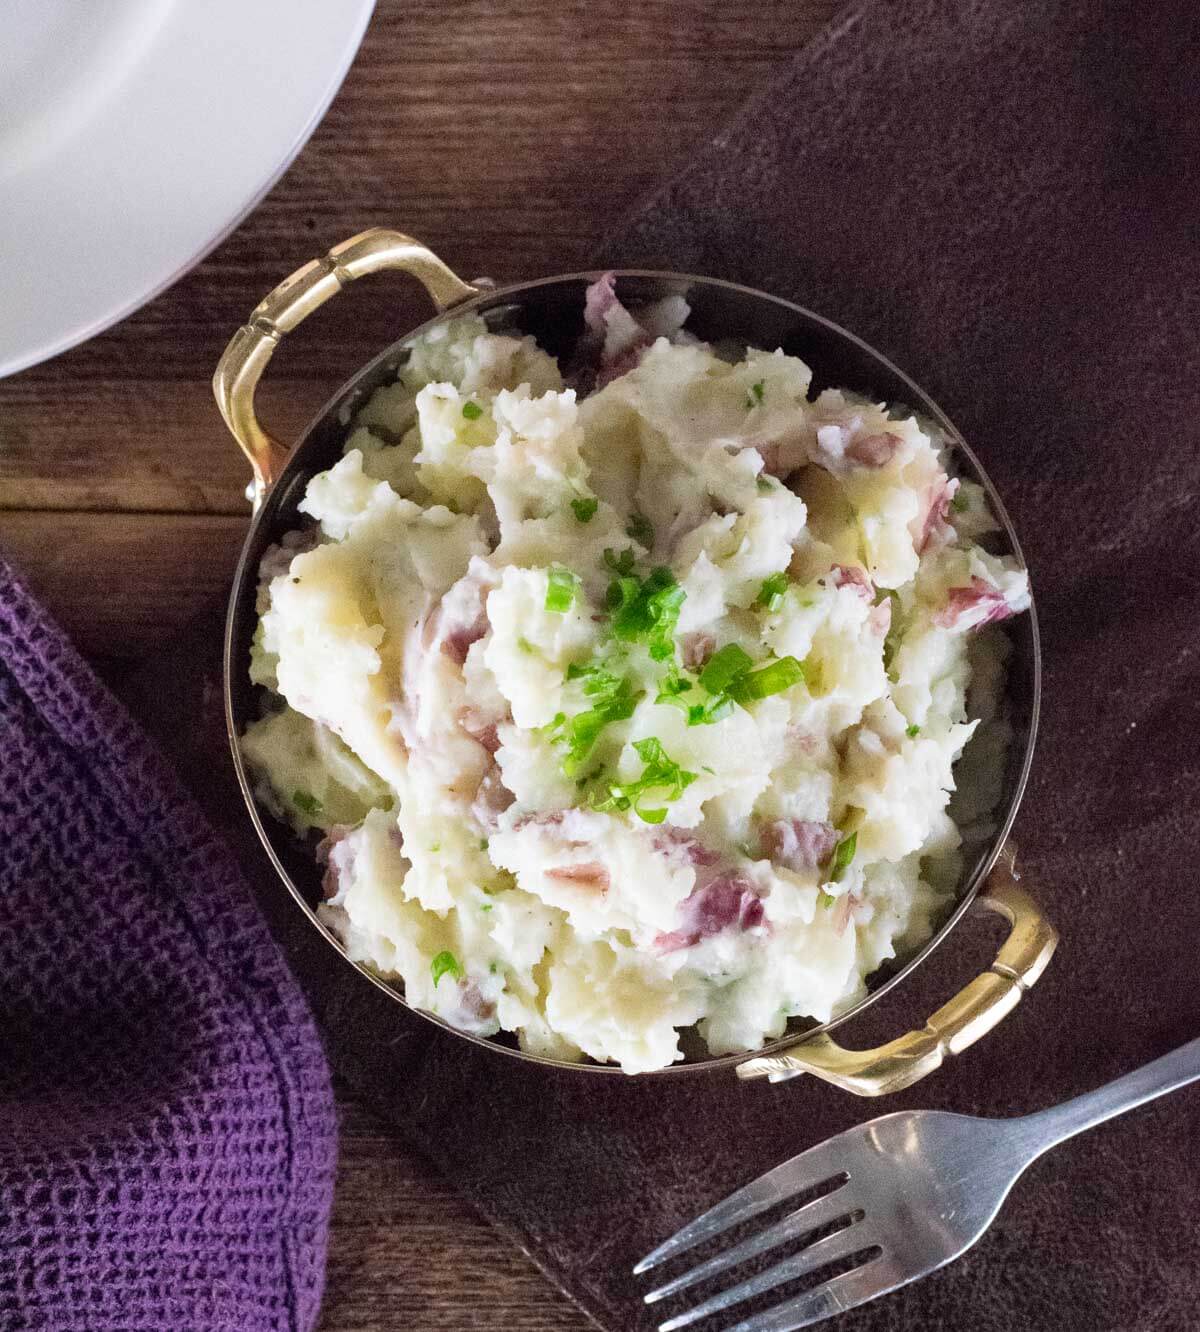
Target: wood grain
{"points": [[511, 135], [407, 1252], [122, 584]]}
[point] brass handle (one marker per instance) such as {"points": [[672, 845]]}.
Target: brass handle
{"points": [[252, 346], [973, 1011]]}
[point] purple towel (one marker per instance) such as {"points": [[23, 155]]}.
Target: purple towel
{"points": [[167, 1133]]}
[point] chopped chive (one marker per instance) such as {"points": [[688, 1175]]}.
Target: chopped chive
{"points": [[621, 564], [561, 588], [485, 906], [306, 803], [585, 509], [826, 899], [661, 776], [755, 396], [770, 595], [767, 680], [446, 964], [641, 529], [765, 485], [960, 503], [705, 714], [724, 667], [647, 610], [912, 730], [472, 411], [843, 854]]}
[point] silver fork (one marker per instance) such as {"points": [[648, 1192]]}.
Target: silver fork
{"points": [[914, 1189]]}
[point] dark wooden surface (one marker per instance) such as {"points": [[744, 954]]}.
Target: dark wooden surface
{"points": [[509, 135]]}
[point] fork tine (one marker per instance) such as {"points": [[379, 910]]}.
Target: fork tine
{"points": [[805, 1171], [875, 1277], [811, 1216], [828, 1250]]}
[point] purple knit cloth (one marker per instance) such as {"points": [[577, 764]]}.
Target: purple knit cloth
{"points": [[167, 1131]]}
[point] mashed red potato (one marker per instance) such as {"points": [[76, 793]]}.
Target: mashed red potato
{"points": [[633, 711]]}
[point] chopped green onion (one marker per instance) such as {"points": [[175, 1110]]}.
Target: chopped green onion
{"points": [[647, 610], [843, 854], [621, 564], [585, 509], [724, 667], [671, 685], [472, 411], [767, 680], [912, 730], [716, 709], [306, 803], [770, 595], [446, 964], [755, 396], [561, 587], [615, 700], [826, 899], [765, 485], [660, 775], [485, 906], [641, 529], [961, 501]]}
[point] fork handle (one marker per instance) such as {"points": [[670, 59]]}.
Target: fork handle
{"points": [[1047, 1128]]}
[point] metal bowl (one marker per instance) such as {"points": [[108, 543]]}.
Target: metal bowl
{"points": [[551, 309]]}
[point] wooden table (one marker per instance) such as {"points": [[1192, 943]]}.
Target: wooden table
{"points": [[509, 134]]}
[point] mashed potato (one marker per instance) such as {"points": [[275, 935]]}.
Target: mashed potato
{"points": [[631, 710]]}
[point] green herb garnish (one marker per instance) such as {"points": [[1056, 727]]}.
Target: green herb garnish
{"points": [[755, 396], [765, 485], [307, 803], [961, 502], [585, 509], [446, 964], [526, 646], [485, 906], [705, 714], [661, 776], [767, 680], [671, 686], [843, 854], [561, 588], [641, 529], [770, 595], [472, 411], [621, 564], [826, 899], [614, 700], [725, 666], [912, 730], [647, 610]]}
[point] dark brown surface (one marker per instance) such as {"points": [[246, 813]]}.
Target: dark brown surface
{"points": [[509, 135]]}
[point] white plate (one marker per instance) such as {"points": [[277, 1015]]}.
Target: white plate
{"points": [[136, 134]]}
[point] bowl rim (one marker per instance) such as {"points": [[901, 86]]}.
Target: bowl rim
{"points": [[488, 296]]}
